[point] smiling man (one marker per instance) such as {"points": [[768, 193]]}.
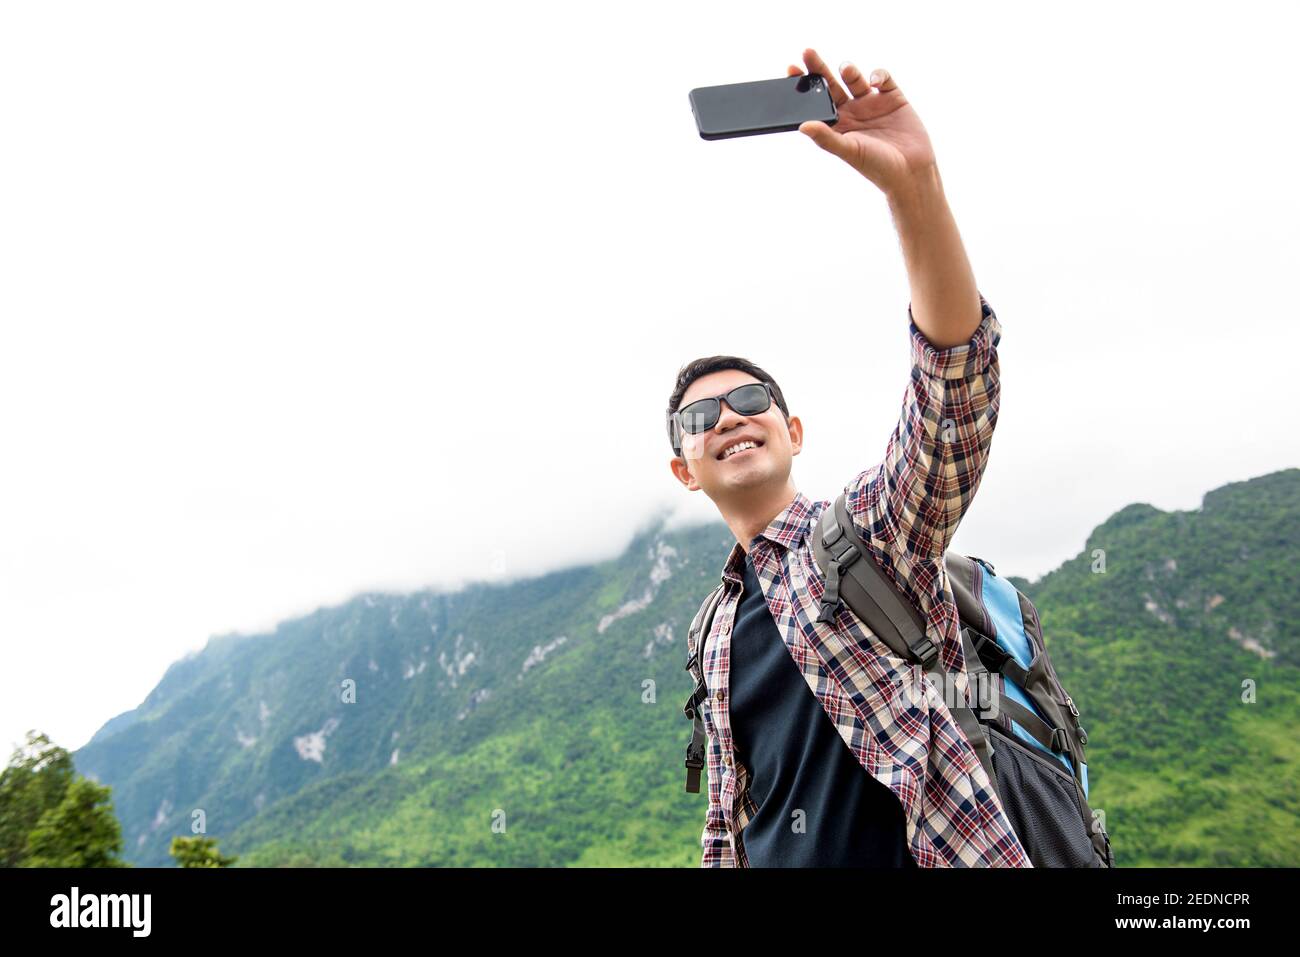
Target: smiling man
{"points": [[825, 749]]}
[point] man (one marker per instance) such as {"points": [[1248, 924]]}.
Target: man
{"points": [[824, 748]]}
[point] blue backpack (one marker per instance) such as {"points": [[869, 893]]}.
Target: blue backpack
{"points": [[1024, 727]]}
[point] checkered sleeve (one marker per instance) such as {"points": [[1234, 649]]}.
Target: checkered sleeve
{"points": [[914, 499]]}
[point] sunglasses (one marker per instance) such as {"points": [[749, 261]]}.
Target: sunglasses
{"points": [[752, 398]]}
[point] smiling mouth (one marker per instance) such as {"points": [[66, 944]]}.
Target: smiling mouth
{"points": [[736, 455]]}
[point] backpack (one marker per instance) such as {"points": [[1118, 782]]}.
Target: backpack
{"points": [[1024, 727]]}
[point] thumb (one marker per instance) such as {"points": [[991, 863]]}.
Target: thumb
{"points": [[825, 137]]}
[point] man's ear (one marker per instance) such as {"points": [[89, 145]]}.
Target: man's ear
{"points": [[682, 471], [796, 434]]}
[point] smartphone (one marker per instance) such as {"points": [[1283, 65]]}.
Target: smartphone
{"points": [[762, 106]]}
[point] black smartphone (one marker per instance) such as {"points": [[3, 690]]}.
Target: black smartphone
{"points": [[762, 106]]}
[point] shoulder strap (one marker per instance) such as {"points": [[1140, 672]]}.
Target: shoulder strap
{"points": [[853, 576], [863, 584], [696, 636]]}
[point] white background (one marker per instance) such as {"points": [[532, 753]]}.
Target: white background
{"points": [[305, 299]]}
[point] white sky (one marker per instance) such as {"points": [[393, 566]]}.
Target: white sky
{"points": [[304, 299]]}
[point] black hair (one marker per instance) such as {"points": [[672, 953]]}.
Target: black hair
{"points": [[702, 367]]}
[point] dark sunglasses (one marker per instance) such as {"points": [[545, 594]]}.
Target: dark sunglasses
{"points": [[752, 398]]}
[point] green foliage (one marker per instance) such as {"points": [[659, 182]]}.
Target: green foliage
{"points": [[199, 851], [52, 817]]}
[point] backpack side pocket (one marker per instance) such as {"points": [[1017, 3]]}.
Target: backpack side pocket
{"points": [[1042, 805]]}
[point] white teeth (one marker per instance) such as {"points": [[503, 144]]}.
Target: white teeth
{"points": [[739, 448]]}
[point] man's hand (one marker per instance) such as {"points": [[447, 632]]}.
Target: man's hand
{"points": [[877, 133]]}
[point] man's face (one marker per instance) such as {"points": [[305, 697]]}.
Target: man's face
{"points": [[705, 463]]}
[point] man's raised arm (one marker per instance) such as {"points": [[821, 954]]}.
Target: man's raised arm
{"points": [[914, 500]]}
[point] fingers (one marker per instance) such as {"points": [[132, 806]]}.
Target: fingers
{"points": [[858, 85], [816, 65], [883, 81]]}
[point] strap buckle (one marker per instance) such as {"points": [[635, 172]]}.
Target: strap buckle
{"points": [[695, 758], [829, 610], [927, 651]]}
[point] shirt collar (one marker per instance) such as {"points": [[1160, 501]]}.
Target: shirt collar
{"points": [[787, 530]]}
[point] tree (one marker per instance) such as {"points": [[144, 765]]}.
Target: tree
{"points": [[52, 817], [81, 831], [199, 851]]}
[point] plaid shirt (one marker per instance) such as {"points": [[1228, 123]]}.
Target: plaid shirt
{"points": [[894, 721]]}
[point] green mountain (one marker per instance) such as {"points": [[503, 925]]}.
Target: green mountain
{"points": [[1185, 653], [539, 723]]}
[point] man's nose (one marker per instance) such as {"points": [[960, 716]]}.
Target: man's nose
{"points": [[728, 417]]}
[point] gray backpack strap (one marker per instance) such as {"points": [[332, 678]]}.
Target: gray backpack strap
{"points": [[853, 576], [979, 679], [840, 553], [696, 636]]}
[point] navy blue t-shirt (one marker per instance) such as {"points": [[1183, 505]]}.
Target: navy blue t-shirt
{"points": [[797, 760]]}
